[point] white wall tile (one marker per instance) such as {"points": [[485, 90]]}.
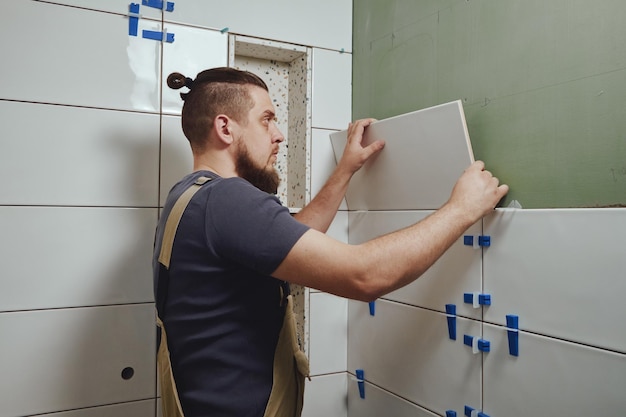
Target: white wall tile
{"points": [[193, 50], [328, 321], [378, 402], [326, 396], [55, 360], [78, 156], [332, 89], [113, 6], [551, 377], [134, 409], [68, 257], [458, 271], [560, 271], [426, 151], [323, 162], [77, 57], [324, 23], [407, 351], [176, 156]]}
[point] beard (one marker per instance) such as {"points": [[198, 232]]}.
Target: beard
{"points": [[265, 179]]}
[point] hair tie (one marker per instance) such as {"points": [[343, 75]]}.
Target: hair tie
{"points": [[188, 83]]}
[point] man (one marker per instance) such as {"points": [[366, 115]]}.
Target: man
{"points": [[226, 250]]}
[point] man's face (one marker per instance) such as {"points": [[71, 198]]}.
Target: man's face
{"points": [[257, 145]]}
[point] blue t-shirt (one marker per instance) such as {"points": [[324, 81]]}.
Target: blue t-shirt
{"points": [[223, 311]]}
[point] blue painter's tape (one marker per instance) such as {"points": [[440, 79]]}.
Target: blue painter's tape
{"points": [[451, 316], [360, 379], [159, 4], [133, 19], [158, 36], [372, 305]]}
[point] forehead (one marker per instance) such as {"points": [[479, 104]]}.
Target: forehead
{"points": [[261, 99]]}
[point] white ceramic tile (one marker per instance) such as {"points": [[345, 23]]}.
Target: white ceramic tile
{"points": [[378, 402], [322, 162], [176, 156], [551, 378], [56, 360], [457, 272], [134, 409], [324, 23], [68, 257], [407, 351], [79, 57], [328, 321], [332, 89], [112, 6], [426, 152], [193, 51], [561, 271], [78, 156], [326, 396]]}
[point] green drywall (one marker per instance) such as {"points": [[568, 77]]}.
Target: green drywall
{"points": [[543, 84]]}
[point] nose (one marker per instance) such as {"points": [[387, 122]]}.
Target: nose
{"points": [[277, 135]]}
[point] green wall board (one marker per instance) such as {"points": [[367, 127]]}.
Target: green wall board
{"points": [[543, 84]]}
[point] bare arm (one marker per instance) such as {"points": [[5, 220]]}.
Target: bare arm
{"points": [[369, 270], [319, 213]]}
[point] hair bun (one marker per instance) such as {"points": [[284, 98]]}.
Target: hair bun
{"points": [[177, 80]]}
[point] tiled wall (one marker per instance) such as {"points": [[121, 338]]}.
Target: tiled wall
{"points": [[91, 143], [560, 271]]}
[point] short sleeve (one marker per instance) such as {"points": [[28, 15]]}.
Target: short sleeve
{"points": [[250, 226]]}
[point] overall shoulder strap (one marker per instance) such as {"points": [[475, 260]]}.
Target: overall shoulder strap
{"points": [[171, 225]]}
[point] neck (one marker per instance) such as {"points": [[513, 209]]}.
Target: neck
{"points": [[222, 168]]}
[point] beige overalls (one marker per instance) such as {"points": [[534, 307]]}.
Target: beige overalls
{"points": [[291, 365]]}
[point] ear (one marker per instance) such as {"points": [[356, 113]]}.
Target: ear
{"points": [[224, 128]]}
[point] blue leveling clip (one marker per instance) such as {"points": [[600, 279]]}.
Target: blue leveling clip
{"points": [[477, 345], [450, 413], [133, 19], [451, 316], [472, 412], [512, 324], [159, 4], [360, 379], [372, 305], [468, 240], [477, 299]]}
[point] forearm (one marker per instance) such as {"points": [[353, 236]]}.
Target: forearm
{"points": [[321, 211]]}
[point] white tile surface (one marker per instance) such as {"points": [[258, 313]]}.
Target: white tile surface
{"points": [[75, 56], [407, 351], [328, 321], [280, 20], [322, 162], [425, 153], [193, 50], [55, 360], [68, 257], [332, 89], [561, 271], [551, 378], [378, 402], [113, 6], [176, 156], [78, 156], [458, 271], [134, 409], [326, 396]]}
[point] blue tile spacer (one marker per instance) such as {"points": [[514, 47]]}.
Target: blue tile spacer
{"points": [[159, 4], [451, 317], [484, 241], [483, 299], [133, 19], [468, 411], [481, 344], [224, 30], [468, 240], [512, 324], [158, 36], [360, 379], [372, 305], [450, 413]]}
